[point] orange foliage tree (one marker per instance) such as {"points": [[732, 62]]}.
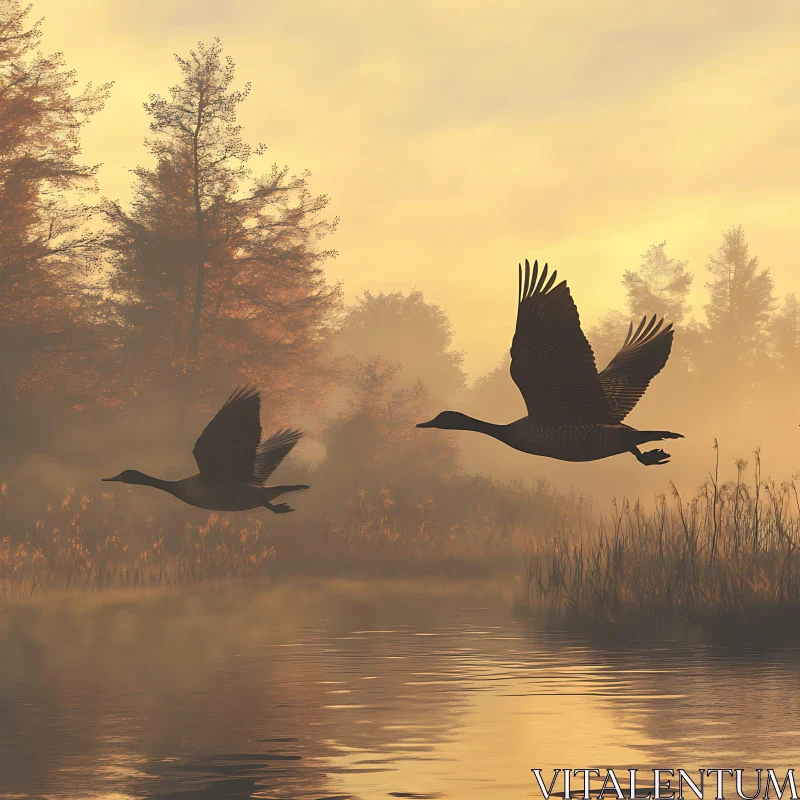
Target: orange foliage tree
{"points": [[47, 255], [218, 275]]}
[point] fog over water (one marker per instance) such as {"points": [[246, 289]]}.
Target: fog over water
{"points": [[360, 689]]}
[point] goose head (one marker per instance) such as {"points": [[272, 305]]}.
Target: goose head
{"points": [[131, 476], [450, 420]]}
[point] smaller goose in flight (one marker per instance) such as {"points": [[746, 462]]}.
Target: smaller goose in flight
{"points": [[574, 413], [233, 461]]}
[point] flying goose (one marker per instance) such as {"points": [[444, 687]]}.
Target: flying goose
{"points": [[574, 413], [233, 461]]}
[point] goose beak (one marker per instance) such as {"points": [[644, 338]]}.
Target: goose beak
{"points": [[110, 479], [425, 424]]}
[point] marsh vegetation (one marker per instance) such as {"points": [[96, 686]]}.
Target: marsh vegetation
{"points": [[722, 562]]}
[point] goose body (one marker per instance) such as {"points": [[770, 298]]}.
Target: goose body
{"points": [[234, 463], [574, 412]]}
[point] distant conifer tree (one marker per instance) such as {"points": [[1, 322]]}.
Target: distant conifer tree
{"points": [[660, 286], [741, 301]]}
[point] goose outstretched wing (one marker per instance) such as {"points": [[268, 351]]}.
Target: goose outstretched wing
{"points": [[640, 359], [227, 448], [552, 363], [230, 448], [273, 451]]}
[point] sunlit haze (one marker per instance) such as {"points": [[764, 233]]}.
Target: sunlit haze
{"points": [[455, 139]]}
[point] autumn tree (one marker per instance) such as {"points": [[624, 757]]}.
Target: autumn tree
{"points": [[741, 301], [660, 286], [47, 255], [219, 274]]}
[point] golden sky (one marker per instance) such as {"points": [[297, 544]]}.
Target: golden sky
{"points": [[456, 138]]}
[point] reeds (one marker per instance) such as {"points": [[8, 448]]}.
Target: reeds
{"points": [[90, 542], [723, 562]]}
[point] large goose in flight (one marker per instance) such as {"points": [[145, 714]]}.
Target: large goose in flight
{"points": [[574, 413]]}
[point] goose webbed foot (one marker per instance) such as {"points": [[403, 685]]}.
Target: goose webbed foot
{"points": [[651, 457], [279, 508]]}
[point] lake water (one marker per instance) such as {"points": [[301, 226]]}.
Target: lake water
{"points": [[346, 689]]}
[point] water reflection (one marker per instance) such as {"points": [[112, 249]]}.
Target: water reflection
{"points": [[309, 690]]}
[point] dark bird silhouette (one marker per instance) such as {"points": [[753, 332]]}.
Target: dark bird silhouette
{"points": [[233, 461], [574, 413]]}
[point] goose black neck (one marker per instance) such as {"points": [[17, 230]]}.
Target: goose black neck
{"points": [[158, 483], [467, 423]]}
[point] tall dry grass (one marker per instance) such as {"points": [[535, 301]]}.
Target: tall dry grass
{"points": [[89, 542], [723, 562]]}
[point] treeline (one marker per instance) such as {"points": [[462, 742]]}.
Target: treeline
{"points": [[124, 324], [747, 334]]}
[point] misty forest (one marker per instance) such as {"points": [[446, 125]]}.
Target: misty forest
{"points": [[124, 325]]}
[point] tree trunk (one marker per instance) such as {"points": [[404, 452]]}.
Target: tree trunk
{"points": [[197, 311]]}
